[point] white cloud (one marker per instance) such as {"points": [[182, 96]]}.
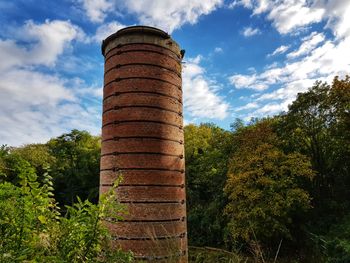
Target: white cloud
{"points": [[46, 42], [218, 50], [316, 58], [338, 17], [291, 15], [235, 3], [287, 15], [249, 31], [249, 106], [247, 82], [309, 43], [166, 14], [322, 63], [288, 92], [28, 105], [35, 106], [91, 91], [280, 50], [106, 30], [200, 93], [270, 109], [97, 10]]}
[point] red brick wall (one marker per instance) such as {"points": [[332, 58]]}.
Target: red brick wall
{"points": [[142, 139]]}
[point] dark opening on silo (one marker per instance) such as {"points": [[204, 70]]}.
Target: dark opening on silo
{"points": [[142, 139]]}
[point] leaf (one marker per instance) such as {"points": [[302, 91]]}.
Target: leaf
{"points": [[42, 219]]}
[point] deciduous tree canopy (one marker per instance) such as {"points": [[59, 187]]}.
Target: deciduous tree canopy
{"points": [[281, 178]]}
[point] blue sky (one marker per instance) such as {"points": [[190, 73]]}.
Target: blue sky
{"points": [[244, 58]]}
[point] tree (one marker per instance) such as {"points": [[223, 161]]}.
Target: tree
{"points": [[264, 186], [38, 155], [207, 150], [76, 167], [317, 124], [11, 164]]}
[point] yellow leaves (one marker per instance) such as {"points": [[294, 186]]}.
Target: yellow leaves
{"points": [[263, 185], [42, 219]]}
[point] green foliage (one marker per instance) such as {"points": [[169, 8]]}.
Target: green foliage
{"points": [[32, 229], [74, 160], [76, 167], [37, 155], [207, 150], [337, 242], [211, 255], [272, 180], [264, 186], [317, 125], [12, 165]]}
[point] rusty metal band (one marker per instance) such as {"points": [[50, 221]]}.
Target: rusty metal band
{"points": [[142, 50], [141, 106], [118, 66], [116, 94], [142, 137], [141, 43], [142, 121], [149, 78], [145, 153]]}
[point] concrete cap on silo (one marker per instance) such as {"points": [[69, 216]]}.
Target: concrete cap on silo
{"points": [[139, 34]]}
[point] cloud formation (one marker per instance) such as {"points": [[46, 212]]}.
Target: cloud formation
{"points": [[96, 10], [106, 30], [201, 99], [34, 106], [315, 58], [45, 41], [166, 14], [280, 50], [248, 82], [249, 31], [308, 44]]}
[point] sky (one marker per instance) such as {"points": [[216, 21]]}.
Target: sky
{"points": [[244, 58]]}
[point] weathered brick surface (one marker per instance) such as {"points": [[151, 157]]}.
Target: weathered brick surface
{"points": [[141, 114], [143, 85], [142, 161], [143, 177], [148, 193], [143, 141], [142, 145], [143, 47], [155, 211], [143, 99], [146, 229], [142, 71], [142, 130], [142, 57]]}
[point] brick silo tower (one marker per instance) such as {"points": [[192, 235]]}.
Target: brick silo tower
{"points": [[143, 140]]}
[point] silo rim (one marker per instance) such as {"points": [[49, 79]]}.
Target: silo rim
{"points": [[132, 30]]}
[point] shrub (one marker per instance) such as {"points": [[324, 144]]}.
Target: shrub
{"points": [[32, 228]]}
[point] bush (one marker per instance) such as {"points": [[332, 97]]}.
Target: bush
{"points": [[32, 228], [338, 242]]}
